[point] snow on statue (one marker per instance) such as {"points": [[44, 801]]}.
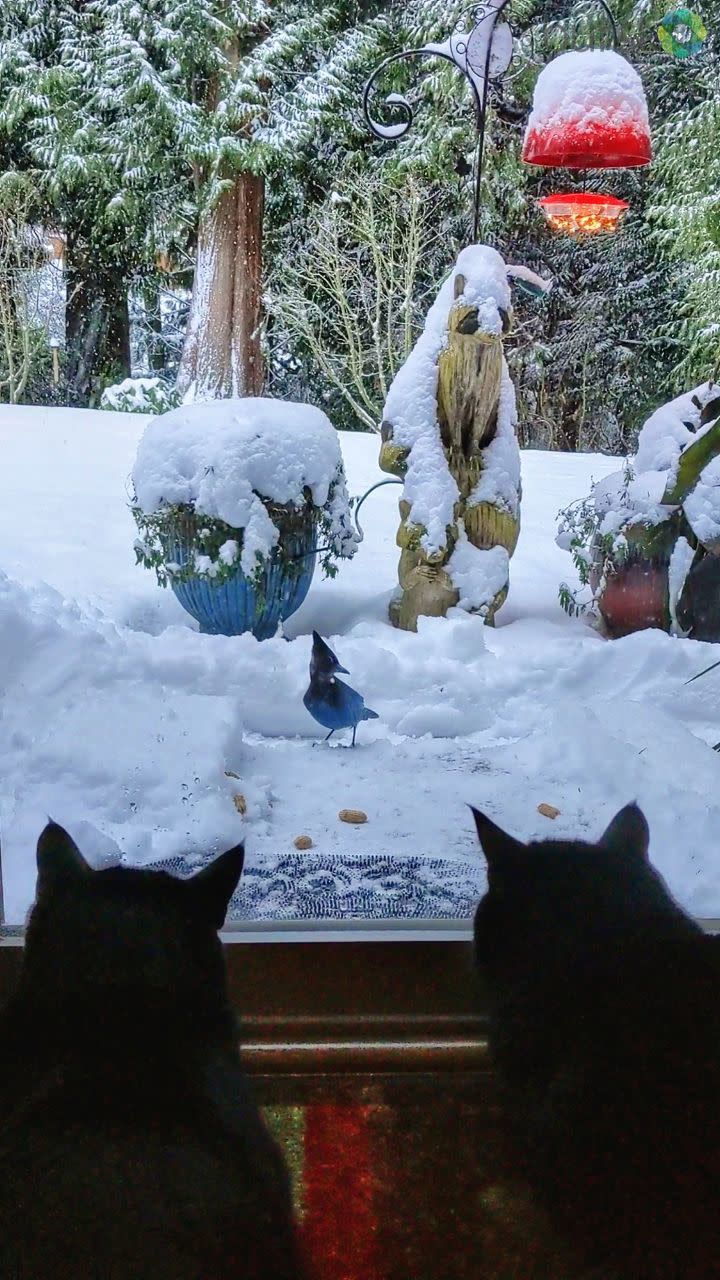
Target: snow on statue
{"points": [[449, 432]]}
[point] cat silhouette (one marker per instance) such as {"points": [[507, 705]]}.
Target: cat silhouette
{"points": [[605, 1031], [130, 1145]]}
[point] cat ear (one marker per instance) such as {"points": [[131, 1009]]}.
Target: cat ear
{"points": [[213, 888], [628, 833], [58, 858], [499, 848]]}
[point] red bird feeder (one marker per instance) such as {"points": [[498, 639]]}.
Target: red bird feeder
{"points": [[581, 213], [589, 112]]}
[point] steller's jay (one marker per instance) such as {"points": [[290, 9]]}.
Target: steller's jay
{"points": [[333, 704]]}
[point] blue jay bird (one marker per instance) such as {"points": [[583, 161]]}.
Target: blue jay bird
{"points": [[333, 704]]}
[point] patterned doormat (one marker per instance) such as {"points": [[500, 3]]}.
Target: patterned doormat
{"points": [[371, 886], [360, 886]]}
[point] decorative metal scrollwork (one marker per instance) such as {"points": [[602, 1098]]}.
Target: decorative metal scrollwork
{"points": [[481, 48]]}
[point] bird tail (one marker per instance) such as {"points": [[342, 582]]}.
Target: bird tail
{"points": [[369, 715]]}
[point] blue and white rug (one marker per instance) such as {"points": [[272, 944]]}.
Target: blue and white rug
{"points": [[316, 886]]}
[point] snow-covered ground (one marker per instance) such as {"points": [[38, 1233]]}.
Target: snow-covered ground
{"points": [[121, 721]]}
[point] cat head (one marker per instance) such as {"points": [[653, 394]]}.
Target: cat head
{"points": [[122, 936], [558, 898]]}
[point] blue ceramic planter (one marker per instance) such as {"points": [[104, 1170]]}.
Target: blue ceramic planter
{"points": [[237, 605]]}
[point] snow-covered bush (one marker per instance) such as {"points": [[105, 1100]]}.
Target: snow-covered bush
{"points": [[661, 509], [235, 477], [140, 395]]}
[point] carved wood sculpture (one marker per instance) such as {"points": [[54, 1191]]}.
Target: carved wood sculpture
{"points": [[470, 373]]}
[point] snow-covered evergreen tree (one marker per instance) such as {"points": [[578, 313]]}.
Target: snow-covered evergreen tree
{"points": [[152, 125], [215, 132], [684, 204]]}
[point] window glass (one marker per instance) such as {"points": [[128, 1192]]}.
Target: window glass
{"points": [[229, 315]]}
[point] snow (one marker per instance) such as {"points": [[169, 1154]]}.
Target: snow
{"points": [[227, 458], [635, 494], [539, 284], [411, 409], [669, 430], [588, 91], [119, 719], [679, 566], [702, 505], [630, 499], [479, 574], [135, 395]]}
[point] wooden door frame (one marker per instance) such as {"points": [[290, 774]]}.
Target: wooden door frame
{"points": [[356, 998], [359, 999]]}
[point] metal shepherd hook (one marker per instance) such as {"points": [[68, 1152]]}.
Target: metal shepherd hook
{"points": [[480, 46]]}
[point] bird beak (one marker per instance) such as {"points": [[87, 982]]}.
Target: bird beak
{"points": [[343, 669]]}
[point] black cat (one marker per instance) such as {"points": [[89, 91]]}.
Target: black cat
{"points": [[130, 1145], [605, 1029]]}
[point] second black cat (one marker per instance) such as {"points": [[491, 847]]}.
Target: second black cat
{"points": [[605, 1029]]}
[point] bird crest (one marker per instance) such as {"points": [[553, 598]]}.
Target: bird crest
{"points": [[323, 663]]}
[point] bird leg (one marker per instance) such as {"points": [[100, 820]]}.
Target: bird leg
{"points": [[352, 744], [329, 736]]}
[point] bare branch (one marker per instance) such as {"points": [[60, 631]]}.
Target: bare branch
{"points": [[353, 298]]}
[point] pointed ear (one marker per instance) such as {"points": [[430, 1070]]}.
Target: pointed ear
{"points": [[499, 848], [628, 833], [213, 888], [58, 858]]}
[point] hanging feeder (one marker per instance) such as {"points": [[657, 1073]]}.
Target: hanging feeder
{"points": [[589, 109], [589, 112], [583, 213]]}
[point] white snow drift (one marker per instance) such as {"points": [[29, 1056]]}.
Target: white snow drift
{"points": [[120, 720]]}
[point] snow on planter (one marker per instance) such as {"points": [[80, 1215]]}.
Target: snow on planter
{"points": [[449, 432], [648, 528], [241, 469], [589, 112]]}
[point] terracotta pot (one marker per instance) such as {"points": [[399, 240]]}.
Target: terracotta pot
{"points": [[636, 597]]}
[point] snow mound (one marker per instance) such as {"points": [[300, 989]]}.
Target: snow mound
{"points": [[217, 456], [94, 737], [670, 429]]}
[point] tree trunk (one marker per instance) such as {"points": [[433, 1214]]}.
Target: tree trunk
{"points": [[97, 329], [222, 355], [156, 350]]}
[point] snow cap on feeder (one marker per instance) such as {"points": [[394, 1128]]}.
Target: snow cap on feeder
{"points": [[589, 112], [580, 213]]}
